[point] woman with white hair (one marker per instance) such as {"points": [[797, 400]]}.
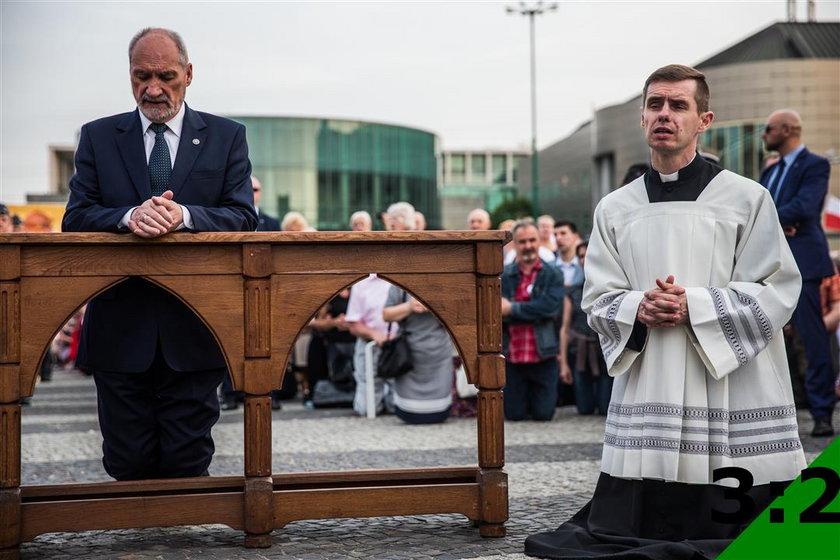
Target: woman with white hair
{"points": [[361, 221], [401, 216], [294, 221], [424, 394]]}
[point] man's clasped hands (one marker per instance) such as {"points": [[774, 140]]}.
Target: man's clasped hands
{"points": [[664, 306], [156, 216]]}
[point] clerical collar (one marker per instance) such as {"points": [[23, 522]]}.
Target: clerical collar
{"points": [[684, 185], [685, 174], [671, 177]]}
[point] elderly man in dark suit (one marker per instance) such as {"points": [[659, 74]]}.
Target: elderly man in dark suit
{"points": [[159, 169], [798, 183]]}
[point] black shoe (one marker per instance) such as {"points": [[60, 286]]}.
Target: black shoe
{"points": [[275, 403], [229, 402], [822, 428]]}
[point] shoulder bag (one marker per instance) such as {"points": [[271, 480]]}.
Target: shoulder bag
{"points": [[394, 354]]}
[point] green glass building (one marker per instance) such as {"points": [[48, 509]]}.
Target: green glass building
{"points": [[327, 169]]}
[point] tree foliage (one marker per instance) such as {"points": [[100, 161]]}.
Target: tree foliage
{"points": [[511, 209]]}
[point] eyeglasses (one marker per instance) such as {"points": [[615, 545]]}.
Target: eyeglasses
{"points": [[770, 127]]}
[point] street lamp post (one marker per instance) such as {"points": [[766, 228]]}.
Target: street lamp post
{"points": [[532, 11]]}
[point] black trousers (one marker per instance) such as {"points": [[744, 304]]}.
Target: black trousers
{"points": [[156, 424]]}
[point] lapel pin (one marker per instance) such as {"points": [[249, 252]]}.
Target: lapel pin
{"points": [[196, 141]]}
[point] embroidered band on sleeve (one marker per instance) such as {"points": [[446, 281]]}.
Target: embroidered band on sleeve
{"points": [[604, 323], [745, 326]]}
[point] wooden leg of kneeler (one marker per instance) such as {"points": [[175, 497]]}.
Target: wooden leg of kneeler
{"points": [[494, 502], [259, 515], [258, 518], [257, 384], [10, 529], [493, 487]]}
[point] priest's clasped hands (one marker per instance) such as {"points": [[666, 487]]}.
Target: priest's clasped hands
{"points": [[156, 216], [664, 306]]}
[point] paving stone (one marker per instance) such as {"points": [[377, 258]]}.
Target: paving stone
{"points": [[552, 469]]}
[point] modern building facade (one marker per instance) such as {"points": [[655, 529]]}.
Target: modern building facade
{"points": [[476, 179], [329, 168], [566, 178], [786, 65]]}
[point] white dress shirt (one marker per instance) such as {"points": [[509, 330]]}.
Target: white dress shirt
{"points": [[172, 134]]}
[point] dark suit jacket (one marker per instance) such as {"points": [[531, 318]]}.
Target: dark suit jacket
{"points": [[267, 223], [800, 204], [124, 325]]}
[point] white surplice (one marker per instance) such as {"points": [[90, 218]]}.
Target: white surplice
{"points": [[716, 391]]}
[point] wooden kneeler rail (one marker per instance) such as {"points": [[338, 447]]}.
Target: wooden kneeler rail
{"points": [[256, 292]]}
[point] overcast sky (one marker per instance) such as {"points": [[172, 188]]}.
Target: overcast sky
{"points": [[460, 70]]}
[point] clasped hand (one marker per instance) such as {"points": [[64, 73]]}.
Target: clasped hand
{"points": [[664, 306], [156, 216]]}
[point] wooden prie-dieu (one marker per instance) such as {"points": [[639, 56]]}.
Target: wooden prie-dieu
{"points": [[256, 292]]}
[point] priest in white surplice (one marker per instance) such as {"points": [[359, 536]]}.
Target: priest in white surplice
{"points": [[689, 281]]}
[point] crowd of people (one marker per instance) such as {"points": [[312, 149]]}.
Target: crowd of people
{"points": [[552, 356], [332, 360]]}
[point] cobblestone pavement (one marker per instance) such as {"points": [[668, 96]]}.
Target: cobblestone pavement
{"points": [[552, 470]]}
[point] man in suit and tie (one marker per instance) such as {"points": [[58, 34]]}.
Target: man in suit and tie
{"points": [[158, 169], [798, 182]]}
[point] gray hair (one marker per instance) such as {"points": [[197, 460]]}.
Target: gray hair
{"points": [[179, 42], [294, 218], [361, 214], [403, 212], [524, 222]]}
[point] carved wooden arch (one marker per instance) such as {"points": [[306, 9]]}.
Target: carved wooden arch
{"points": [[451, 299], [220, 308], [294, 305], [57, 295], [255, 291], [57, 299]]}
